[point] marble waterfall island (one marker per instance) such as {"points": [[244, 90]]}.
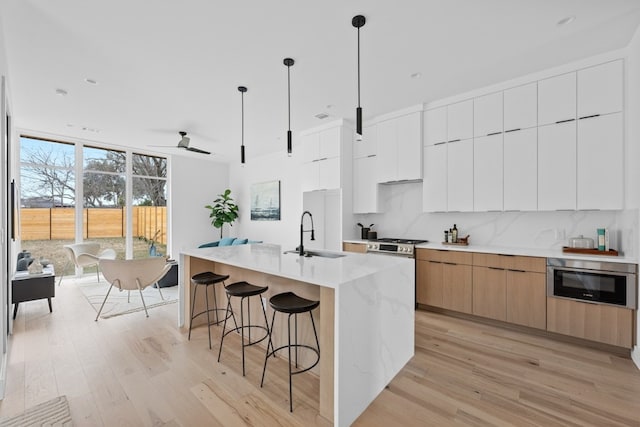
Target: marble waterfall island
{"points": [[366, 313]]}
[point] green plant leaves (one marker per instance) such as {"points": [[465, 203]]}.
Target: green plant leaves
{"points": [[223, 210]]}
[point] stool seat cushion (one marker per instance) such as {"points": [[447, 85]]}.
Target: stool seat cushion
{"points": [[244, 289], [288, 302], [208, 278]]}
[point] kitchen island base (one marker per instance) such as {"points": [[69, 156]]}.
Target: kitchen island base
{"points": [[366, 321]]}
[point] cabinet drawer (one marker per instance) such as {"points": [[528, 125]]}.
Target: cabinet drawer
{"points": [[429, 254], [525, 263], [489, 260], [456, 257]]}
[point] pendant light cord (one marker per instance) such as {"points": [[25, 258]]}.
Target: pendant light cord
{"points": [[289, 92], [358, 66], [242, 103]]}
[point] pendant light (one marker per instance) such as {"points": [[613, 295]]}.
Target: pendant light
{"points": [[289, 62], [242, 90], [358, 21]]}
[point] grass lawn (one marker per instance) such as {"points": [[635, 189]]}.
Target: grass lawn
{"points": [[52, 250]]}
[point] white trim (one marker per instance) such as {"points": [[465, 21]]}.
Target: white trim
{"points": [[329, 125], [3, 374], [395, 114], [635, 356]]}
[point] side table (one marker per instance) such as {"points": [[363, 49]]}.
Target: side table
{"points": [[30, 287]]}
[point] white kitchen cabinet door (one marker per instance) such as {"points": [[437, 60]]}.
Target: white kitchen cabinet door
{"points": [[387, 151], [487, 114], [310, 176], [521, 107], [557, 99], [329, 173], [460, 121], [365, 186], [460, 176], [600, 162], [521, 170], [600, 89], [557, 167], [368, 145], [435, 126], [434, 184], [329, 143], [487, 173], [310, 147], [409, 131]]}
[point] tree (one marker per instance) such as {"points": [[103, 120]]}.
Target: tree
{"points": [[223, 210]]}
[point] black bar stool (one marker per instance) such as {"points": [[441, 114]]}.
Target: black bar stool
{"points": [[243, 290], [292, 304], [207, 279]]}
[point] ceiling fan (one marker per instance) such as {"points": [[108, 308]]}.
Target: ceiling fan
{"points": [[184, 143]]}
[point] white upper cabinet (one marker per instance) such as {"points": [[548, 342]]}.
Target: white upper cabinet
{"points": [[521, 107], [487, 114], [387, 151], [410, 146], [487, 173], [400, 148], [434, 184], [368, 145], [460, 121], [600, 162], [557, 99], [435, 126], [365, 172], [521, 170], [557, 167], [460, 176], [600, 89], [322, 153]]}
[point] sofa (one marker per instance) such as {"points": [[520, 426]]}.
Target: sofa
{"points": [[228, 241]]}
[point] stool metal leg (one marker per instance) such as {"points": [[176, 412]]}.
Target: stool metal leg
{"points": [[206, 295], [224, 326], [289, 348], [242, 331], [193, 305]]}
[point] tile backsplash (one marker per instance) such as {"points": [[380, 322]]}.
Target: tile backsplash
{"points": [[403, 217]]}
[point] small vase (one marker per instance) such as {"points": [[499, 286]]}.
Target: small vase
{"points": [[153, 251]]}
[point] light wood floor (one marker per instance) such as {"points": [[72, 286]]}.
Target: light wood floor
{"points": [[130, 370]]}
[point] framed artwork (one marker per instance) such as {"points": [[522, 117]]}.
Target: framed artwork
{"points": [[265, 201]]}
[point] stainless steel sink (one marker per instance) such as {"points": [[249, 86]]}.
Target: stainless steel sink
{"points": [[320, 254]]}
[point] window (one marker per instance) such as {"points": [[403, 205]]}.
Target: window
{"points": [[149, 182]]}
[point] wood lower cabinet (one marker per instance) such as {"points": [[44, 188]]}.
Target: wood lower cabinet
{"points": [[490, 292], [595, 322], [526, 298], [444, 279], [360, 248]]}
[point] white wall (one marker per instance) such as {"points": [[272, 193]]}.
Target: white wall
{"points": [[194, 183], [633, 148], [270, 167]]}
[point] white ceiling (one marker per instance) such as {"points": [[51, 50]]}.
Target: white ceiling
{"points": [[167, 65]]}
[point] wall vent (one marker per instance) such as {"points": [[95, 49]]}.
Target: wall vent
{"points": [[321, 116]]}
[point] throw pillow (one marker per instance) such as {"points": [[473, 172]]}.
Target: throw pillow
{"points": [[239, 242], [226, 241], [209, 245]]}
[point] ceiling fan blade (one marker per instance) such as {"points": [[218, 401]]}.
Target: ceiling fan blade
{"points": [[197, 150]]}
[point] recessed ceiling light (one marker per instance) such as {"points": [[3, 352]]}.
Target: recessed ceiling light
{"points": [[416, 75], [91, 81], [329, 106], [61, 92], [69, 125], [567, 20]]}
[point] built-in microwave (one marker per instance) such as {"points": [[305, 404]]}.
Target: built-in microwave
{"points": [[593, 281]]}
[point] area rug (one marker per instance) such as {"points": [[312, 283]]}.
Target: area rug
{"points": [[54, 412], [117, 304]]}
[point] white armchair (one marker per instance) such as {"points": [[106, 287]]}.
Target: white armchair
{"points": [[132, 274], [86, 255]]}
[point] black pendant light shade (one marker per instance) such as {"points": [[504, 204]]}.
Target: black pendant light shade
{"points": [[242, 90], [289, 62], [358, 21]]}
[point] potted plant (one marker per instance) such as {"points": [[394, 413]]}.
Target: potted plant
{"points": [[224, 210]]}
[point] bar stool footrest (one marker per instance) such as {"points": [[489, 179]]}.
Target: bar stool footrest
{"points": [[293, 346]]}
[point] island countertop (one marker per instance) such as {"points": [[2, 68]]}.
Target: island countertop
{"points": [[328, 272]]}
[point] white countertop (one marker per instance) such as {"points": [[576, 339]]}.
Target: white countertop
{"points": [[329, 272], [537, 252]]}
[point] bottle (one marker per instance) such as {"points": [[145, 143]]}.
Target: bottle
{"points": [[446, 236], [601, 239], [454, 237], [450, 236]]}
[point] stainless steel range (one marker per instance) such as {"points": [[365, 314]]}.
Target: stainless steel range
{"points": [[404, 247]]}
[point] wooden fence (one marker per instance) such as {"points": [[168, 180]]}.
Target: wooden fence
{"points": [[59, 223]]}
